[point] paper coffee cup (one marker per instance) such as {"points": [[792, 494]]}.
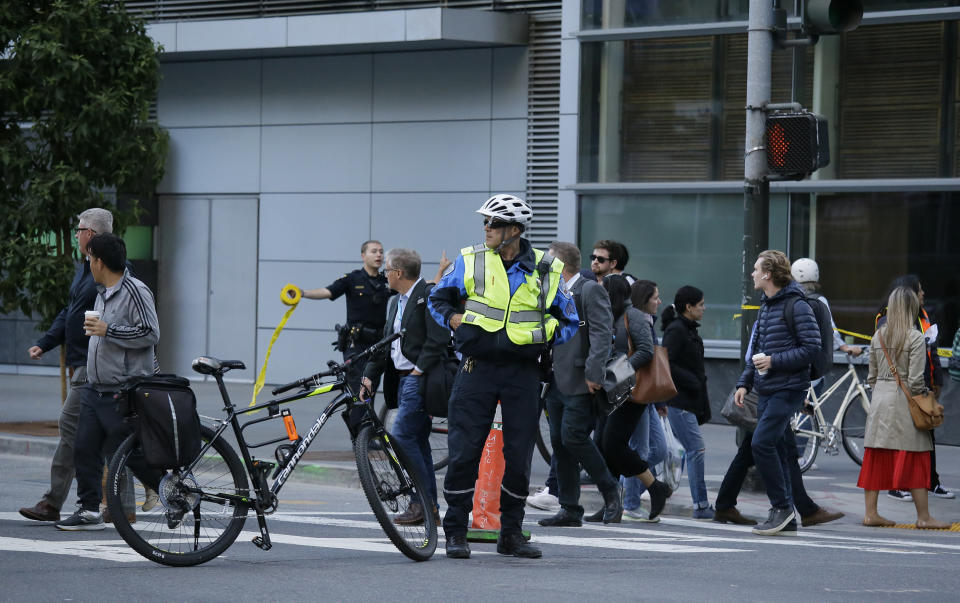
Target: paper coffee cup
{"points": [[756, 357], [94, 314]]}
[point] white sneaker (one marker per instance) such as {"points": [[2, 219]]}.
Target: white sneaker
{"points": [[941, 492], [544, 500], [150, 500], [639, 514], [82, 520]]}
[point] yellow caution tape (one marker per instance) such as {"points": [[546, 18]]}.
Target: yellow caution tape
{"points": [[290, 295], [852, 334], [942, 352]]}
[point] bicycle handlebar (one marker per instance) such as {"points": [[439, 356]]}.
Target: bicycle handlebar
{"points": [[336, 368]]}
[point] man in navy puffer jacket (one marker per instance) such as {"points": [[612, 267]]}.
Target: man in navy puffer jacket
{"points": [[780, 373]]}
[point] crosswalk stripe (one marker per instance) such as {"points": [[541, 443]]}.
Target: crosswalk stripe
{"points": [[107, 550]]}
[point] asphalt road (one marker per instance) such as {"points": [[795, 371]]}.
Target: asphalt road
{"points": [[327, 545]]}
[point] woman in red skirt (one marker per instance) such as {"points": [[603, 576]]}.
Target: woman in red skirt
{"points": [[897, 455]]}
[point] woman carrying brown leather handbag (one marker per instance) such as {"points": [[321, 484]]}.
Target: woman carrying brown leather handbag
{"points": [[897, 454]]}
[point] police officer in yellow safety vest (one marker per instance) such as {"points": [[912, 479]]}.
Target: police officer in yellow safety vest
{"points": [[515, 306]]}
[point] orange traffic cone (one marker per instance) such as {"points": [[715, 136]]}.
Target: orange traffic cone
{"points": [[486, 497]]}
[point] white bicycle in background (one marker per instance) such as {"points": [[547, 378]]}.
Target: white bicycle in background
{"points": [[847, 428]]}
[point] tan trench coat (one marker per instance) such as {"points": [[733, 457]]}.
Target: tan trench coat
{"points": [[888, 423]]}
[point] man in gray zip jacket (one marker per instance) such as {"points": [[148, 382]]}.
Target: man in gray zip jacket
{"points": [[121, 347]]}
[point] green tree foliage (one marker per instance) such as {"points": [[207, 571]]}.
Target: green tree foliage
{"points": [[76, 81]]}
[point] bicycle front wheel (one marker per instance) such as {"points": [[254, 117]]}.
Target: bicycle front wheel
{"points": [[853, 427], [391, 487], [807, 429], [176, 525]]}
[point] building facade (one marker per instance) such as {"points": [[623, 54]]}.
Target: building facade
{"points": [[300, 129]]}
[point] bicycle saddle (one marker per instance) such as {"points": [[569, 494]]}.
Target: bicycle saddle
{"points": [[208, 365]]}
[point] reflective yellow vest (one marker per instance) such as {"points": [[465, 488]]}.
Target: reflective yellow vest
{"points": [[490, 306]]}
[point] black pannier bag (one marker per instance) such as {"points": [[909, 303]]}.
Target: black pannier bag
{"points": [[166, 419]]}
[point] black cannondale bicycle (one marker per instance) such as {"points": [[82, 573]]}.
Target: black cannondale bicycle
{"points": [[202, 506]]}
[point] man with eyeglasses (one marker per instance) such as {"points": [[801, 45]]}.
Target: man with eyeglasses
{"points": [[67, 330], [514, 309]]}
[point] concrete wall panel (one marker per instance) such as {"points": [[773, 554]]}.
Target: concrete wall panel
{"points": [[329, 89], [329, 158], [213, 93], [212, 160], [431, 156], [447, 84], [330, 227]]}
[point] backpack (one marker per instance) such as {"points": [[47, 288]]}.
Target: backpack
{"points": [[954, 365], [166, 421], [824, 360]]}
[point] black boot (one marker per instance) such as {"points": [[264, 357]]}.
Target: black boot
{"points": [[514, 544], [563, 518], [595, 518], [457, 547], [612, 506], [659, 493]]}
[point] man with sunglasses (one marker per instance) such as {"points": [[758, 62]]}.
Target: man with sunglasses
{"points": [[605, 258], [514, 309], [67, 330]]}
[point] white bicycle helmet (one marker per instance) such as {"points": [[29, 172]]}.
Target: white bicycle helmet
{"points": [[507, 208], [805, 270]]}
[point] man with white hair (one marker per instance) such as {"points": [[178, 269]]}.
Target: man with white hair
{"points": [[807, 273], [67, 330]]}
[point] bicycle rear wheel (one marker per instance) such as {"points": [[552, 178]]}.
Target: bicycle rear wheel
{"points": [[391, 487], [543, 434], [181, 528], [438, 443], [809, 436], [853, 427]]}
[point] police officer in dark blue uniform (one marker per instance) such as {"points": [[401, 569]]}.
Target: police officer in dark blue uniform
{"points": [[367, 294]]}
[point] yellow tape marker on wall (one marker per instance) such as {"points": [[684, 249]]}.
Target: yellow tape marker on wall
{"points": [[290, 295]]}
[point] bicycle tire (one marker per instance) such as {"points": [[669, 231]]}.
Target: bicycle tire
{"points": [[438, 443], [853, 427], [544, 445], [391, 487], [807, 445], [186, 543], [438, 435]]}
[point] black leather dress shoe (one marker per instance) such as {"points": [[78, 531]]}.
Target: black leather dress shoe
{"points": [[562, 519], [457, 547], [612, 507], [515, 544], [595, 518]]}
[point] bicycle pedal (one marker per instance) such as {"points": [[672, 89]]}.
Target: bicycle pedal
{"points": [[265, 545]]}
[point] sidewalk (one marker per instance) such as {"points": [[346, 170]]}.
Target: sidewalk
{"points": [[35, 401]]}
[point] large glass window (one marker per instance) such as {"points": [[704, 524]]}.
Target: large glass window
{"points": [[682, 239], [608, 14], [672, 109], [862, 241]]}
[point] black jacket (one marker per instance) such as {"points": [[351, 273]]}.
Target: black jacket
{"points": [[685, 349], [425, 343], [67, 327]]}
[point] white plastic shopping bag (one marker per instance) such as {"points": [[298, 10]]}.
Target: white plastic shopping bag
{"points": [[670, 470]]}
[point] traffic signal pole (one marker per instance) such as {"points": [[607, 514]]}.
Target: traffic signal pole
{"points": [[756, 187]]}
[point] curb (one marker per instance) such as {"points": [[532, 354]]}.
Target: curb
{"points": [[333, 474], [28, 445]]}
